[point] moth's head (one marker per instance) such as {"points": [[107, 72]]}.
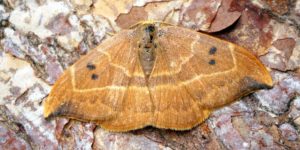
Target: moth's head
{"points": [[146, 30], [149, 28]]}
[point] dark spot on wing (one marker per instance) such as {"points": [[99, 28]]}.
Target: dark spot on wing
{"points": [[212, 50], [212, 62], [90, 66], [249, 85], [253, 84], [61, 110], [94, 76]]}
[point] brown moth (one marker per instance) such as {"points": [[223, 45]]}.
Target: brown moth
{"points": [[155, 75]]}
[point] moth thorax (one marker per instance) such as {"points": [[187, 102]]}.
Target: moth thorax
{"points": [[147, 48]]}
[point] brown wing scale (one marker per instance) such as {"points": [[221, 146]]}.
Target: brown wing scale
{"points": [[106, 86], [192, 75], [199, 73]]}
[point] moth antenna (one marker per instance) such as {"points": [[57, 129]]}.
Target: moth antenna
{"points": [[110, 33], [150, 21], [169, 18]]}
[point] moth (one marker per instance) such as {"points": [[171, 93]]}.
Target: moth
{"points": [[155, 75]]}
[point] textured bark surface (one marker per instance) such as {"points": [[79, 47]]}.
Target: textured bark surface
{"points": [[41, 38]]}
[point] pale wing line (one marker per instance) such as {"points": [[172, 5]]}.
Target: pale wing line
{"points": [[196, 78], [119, 66], [177, 84], [184, 61], [110, 87], [234, 68], [187, 59], [231, 48], [183, 83], [103, 51]]}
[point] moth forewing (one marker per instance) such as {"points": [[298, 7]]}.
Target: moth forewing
{"points": [[155, 75]]}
